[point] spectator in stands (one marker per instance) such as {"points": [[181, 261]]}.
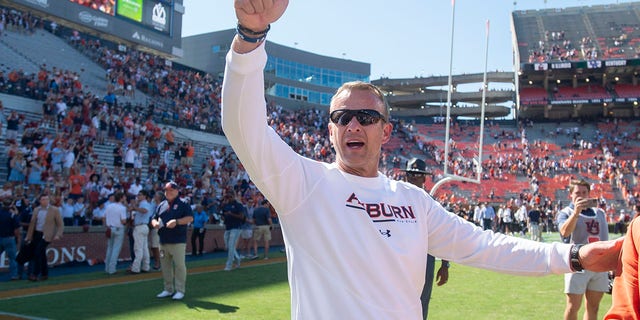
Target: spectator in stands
{"points": [[67, 212], [582, 222], [57, 158], [68, 160], [137, 162], [189, 154], [169, 137], [307, 194], [129, 159], [18, 168], [36, 172], [13, 122], [97, 214], [118, 153], [3, 117], [80, 212], [76, 184]]}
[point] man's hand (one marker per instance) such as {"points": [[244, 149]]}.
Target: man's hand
{"points": [[580, 204], [602, 256], [442, 276], [156, 224], [172, 223], [258, 14]]}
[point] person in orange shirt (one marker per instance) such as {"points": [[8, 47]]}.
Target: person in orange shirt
{"points": [[625, 298], [191, 151], [76, 183], [169, 137]]}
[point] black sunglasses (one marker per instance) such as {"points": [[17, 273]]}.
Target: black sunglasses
{"points": [[364, 116]]}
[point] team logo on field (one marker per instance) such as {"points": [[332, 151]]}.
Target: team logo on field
{"points": [[383, 212]]}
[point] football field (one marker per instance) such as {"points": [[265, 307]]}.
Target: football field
{"points": [[259, 290]]}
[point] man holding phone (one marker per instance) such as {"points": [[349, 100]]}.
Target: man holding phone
{"points": [[583, 222]]}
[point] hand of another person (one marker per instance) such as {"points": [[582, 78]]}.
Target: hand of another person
{"points": [[258, 14], [443, 276], [601, 256], [581, 204]]}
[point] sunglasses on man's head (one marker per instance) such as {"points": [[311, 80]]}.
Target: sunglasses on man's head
{"points": [[415, 174], [364, 116], [172, 185]]}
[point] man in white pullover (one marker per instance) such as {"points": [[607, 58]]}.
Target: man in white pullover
{"points": [[357, 241]]}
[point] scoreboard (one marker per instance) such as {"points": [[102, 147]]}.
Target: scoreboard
{"points": [[155, 25]]}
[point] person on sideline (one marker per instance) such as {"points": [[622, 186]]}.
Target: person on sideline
{"points": [[416, 174], [582, 222], [10, 237], [357, 241], [115, 218], [171, 219], [46, 226], [625, 299], [264, 224], [233, 215], [154, 239], [200, 218], [142, 212], [534, 218]]}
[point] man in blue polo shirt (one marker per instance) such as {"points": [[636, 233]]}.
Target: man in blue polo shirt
{"points": [[171, 219], [233, 214]]}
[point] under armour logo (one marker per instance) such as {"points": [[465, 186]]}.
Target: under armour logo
{"points": [[386, 233]]}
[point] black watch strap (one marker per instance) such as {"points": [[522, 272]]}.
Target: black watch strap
{"points": [[574, 257]]}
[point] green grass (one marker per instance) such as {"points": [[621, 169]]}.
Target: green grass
{"points": [[262, 292]]}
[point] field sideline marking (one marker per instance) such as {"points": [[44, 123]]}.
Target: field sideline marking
{"points": [[14, 316], [106, 282]]}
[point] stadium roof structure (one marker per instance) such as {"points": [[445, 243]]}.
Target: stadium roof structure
{"points": [[427, 96], [578, 62]]}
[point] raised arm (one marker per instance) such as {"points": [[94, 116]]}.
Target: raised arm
{"points": [[256, 16]]}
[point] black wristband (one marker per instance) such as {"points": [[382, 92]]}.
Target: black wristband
{"points": [[249, 38], [574, 257], [248, 31]]}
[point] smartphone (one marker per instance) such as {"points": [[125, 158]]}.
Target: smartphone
{"points": [[592, 202]]}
